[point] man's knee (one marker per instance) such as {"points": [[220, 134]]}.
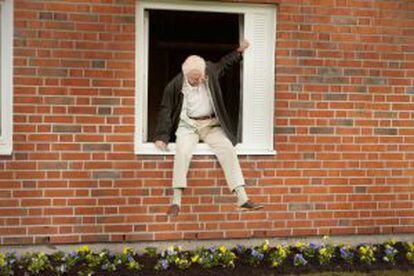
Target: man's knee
{"points": [[228, 150], [183, 151]]}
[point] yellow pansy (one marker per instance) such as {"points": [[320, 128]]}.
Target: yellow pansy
{"points": [[222, 249], [300, 244], [266, 245], [84, 248], [195, 258], [126, 250], [2, 260], [364, 250]]}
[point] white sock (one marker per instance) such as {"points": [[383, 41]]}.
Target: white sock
{"points": [[241, 195], [177, 192]]}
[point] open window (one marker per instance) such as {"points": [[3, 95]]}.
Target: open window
{"points": [[168, 32], [6, 76], [173, 36]]}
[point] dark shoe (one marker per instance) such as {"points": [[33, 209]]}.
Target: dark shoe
{"points": [[173, 210], [250, 206]]}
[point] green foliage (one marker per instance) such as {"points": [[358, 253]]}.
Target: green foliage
{"points": [[390, 252], [326, 252], [347, 253], [7, 262], [308, 250], [151, 251], [256, 255], [214, 257], [409, 247], [278, 255], [173, 256], [36, 263], [128, 259], [366, 254], [90, 261]]}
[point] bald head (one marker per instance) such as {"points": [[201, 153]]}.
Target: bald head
{"points": [[194, 70]]}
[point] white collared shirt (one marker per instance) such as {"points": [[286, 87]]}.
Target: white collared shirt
{"points": [[196, 101]]}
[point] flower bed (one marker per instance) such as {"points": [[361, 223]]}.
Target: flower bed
{"points": [[262, 259]]}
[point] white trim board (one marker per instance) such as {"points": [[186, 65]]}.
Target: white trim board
{"points": [[6, 76], [258, 74]]}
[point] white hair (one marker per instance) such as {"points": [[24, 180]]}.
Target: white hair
{"points": [[194, 62]]}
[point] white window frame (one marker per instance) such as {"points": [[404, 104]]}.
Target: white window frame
{"points": [[264, 104], [6, 76]]}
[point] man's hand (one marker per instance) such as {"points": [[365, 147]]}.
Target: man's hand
{"points": [[243, 46], [161, 145]]}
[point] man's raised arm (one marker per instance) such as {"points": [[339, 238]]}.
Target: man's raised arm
{"points": [[228, 60]]}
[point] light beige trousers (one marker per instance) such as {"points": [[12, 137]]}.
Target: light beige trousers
{"points": [[188, 135]]}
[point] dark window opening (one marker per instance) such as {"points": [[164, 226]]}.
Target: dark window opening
{"points": [[174, 35]]}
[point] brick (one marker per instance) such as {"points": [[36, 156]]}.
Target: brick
{"points": [[45, 15], [335, 97], [375, 81], [94, 238], [344, 122], [330, 71], [303, 53], [66, 128], [321, 130], [360, 189], [385, 131], [88, 211], [98, 63], [106, 174], [302, 104], [104, 110], [285, 130], [17, 240], [59, 100], [410, 90], [300, 206], [96, 147]]}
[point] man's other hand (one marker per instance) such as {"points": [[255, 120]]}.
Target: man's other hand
{"points": [[161, 145], [243, 45]]}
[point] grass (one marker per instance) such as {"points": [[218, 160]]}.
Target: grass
{"points": [[376, 273]]}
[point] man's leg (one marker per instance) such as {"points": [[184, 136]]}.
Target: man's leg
{"points": [[185, 144], [227, 156]]}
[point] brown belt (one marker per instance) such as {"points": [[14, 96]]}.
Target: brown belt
{"points": [[203, 117]]}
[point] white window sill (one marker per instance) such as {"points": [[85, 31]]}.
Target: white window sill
{"points": [[5, 149], [201, 149]]}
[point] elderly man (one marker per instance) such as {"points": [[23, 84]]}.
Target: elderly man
{"points": [[192, 108]]}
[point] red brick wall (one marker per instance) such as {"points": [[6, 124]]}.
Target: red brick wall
{"points": [[344, 131]]}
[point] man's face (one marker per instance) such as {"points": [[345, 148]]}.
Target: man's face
{"points": [[195, 78]]}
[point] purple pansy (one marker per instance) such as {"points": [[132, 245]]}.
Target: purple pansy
{"points": [[299, 259], [164, 264]]}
